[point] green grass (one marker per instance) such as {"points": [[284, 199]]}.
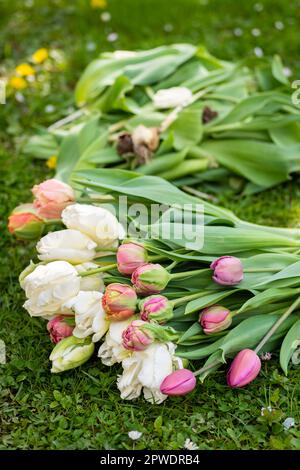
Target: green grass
{"points": [[81, 409]]}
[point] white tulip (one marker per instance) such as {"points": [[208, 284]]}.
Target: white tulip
{"points": [[90, 318], [112, 350], [48, 287], [146, 370], [92, 282], [66, 245], [172, 97], [96, 222]]}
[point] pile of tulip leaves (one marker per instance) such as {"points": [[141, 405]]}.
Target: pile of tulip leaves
{"points": [[240, 132], [270, 258]]}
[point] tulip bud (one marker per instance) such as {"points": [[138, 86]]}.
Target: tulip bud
{"points": [[60, 327], [157, 308], [214, 319], [150, 279], [24, 223], [244, 368], [145, 142], [51, 197], [119, 301], [135, 338], [228, 270], [130, 256], [180, 382], [71, 352], [147, 136]]}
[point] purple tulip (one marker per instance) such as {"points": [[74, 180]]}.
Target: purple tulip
{"points": [[157, 308], [244, 368], [180, 382], [130, 256], [228, 270], [135, 338], [215, 318]]}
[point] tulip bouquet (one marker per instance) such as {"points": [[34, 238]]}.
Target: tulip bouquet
{"points": [[158, 305], [178, 112]]}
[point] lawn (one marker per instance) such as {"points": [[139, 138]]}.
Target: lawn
{"points": [[81, 409]]}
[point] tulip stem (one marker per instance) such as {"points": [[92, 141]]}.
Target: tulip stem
{"points": [[277, 324], [103, 269], [205, 368], [187, 298], [261, 270], [156, 258], [171, 266], [188, 273]]}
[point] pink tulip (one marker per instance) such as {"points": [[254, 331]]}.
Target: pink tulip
{"points": [[24, 223], [150, 279], [135, 338], [244, 368], [119, 301], [228, 270], [59, 328], [215, 318], [130, 256], [156, 307], [51, 197], [180, 382]]}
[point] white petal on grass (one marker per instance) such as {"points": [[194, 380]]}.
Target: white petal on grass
{"points": [[49, 108], [238, 32], [190, 445], [105, 16], [112, 37], [279, 25], [288, 423], [255, 32], [135, 435], [258, 52]]}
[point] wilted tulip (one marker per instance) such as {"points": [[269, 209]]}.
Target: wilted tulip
{"points": [[24, 223], [215, 318], [130, 256], [228, 270], [150, 279], [244, 368], [119, 301], [145, 142], [157, 308], [51, 197], [135, 338], [60, 327], [71, 352], [180, 382]]}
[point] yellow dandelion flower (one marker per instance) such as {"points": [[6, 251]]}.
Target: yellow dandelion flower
{"points": [[52, 162], [98, 3], [40, 55], [24, 70], [18, 83]]}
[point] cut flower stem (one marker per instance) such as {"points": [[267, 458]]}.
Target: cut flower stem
{"points": [[279, 322]]}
